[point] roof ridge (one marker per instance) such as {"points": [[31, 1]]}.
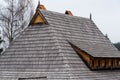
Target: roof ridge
{"points": [[58, 13]]}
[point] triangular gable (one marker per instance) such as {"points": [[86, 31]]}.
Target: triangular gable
{"points": [[38, 18]]}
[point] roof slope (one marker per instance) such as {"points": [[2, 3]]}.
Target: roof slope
{"points": [[43, 50], [83, 33]]}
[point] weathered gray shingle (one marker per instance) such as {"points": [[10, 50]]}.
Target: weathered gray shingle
{"points": [[43, 50]]}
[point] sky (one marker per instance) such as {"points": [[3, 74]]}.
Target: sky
{"points": [[105, 13]]}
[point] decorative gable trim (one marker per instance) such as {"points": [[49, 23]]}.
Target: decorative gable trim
{"points": [[97, 63], [38, 18]]}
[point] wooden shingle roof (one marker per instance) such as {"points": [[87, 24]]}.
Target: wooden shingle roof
{"points": [[44, 51], [83, 33]]}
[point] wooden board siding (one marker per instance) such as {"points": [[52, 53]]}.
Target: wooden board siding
{"points": [[95, 64], [102, 63], [105, 63], [86, 57], [115, 63], [38, 18], [118, 62]]}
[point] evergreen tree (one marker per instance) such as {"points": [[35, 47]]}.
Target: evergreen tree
{"points": [[117, 45]]}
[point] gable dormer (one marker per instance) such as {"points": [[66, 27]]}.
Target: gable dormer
{"points": [[38, 17], [97, 63]]}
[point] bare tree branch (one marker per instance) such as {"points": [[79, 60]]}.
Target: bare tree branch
{"points": [[13, 19]]}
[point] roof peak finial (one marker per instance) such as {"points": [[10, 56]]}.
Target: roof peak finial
{"points": [[90, 16], [38, 5], [38, 2]]}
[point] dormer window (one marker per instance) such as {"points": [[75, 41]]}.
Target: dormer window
{"points": [[38, 18]]}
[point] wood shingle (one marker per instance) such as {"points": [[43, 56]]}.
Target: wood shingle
{"points": [[44, 51]]}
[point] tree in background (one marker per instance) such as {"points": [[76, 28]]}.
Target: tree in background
{"points": [[1, 49], [15, 17], [117, 45]]}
